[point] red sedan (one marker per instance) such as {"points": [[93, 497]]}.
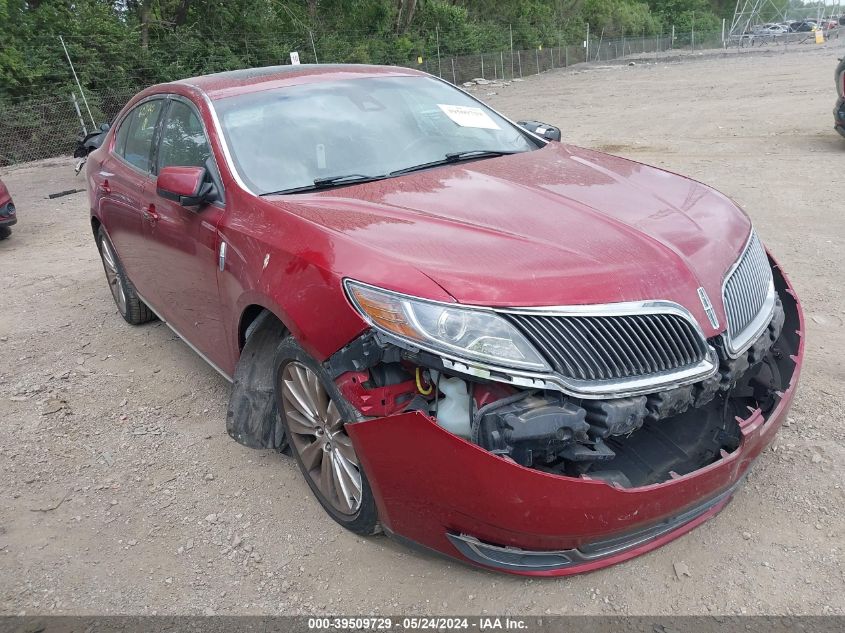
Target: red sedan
{"points": [[530, 356], [8, 215]]}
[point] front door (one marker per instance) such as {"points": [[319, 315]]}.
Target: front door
{"points": [[182, 244]]}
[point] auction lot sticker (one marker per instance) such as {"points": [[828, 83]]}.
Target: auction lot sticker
{"points": [[467, 116]]}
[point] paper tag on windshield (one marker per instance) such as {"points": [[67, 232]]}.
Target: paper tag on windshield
{"points": [[466, 116]]}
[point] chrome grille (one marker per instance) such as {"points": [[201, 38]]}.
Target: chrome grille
{"points": [[613, 347], [747, 291]]}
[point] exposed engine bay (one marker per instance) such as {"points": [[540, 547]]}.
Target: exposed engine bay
{"points": [[628, 441]]}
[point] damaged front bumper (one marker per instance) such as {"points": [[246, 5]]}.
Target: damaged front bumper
{"points": [[452, 496]]}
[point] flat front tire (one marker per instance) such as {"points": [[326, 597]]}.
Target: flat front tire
{"points": [[314, 415]]}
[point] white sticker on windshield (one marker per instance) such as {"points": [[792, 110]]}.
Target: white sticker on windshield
{"points": [[466, 116]]}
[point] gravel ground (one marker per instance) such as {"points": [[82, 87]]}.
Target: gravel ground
{"points": [[120, 491]]}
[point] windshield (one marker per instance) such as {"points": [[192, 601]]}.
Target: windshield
{"points": [[288, 138]]}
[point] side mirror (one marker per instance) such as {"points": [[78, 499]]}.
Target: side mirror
{"points": [[546, 131], [189, 186]]}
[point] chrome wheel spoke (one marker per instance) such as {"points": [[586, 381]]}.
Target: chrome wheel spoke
{"points": [[113, 276], [307, 389], [320, 397], [300, 424], [311, 455], [319, 438], [334, 421], [325, 482], [295, 394], [107, 256], [343, 446], [347, 486]]}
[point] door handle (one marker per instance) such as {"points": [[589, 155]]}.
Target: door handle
{"points": [[150, 214]]}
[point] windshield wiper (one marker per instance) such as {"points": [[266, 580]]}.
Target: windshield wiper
{"points": [[354, 179], [346, 178], [480, 153], [325, 183], [454, 157]]}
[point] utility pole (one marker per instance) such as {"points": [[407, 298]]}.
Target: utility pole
{"points": [[73, 70], [313, 46], [512, 67], [587, 45], [437, 31], [693, 31], [79, 114]]}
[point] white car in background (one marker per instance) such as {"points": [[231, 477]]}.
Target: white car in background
{"points": [[774, 29]]}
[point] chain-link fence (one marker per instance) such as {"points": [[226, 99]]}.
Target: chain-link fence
{"points": [[42, 129]]}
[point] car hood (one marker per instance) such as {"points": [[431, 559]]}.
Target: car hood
{"points": [[556, 226]]}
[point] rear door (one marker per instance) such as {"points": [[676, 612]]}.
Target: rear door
{"points": [[122, 180], [182, 245]]}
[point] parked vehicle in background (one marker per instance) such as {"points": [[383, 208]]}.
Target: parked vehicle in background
{"points": [[530, 356], [87, 143], [839, 110], [774, 29], [804, 27], [762, 29], [8, 215]]}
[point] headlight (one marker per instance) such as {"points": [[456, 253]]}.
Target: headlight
{"points": [[463, 332]]}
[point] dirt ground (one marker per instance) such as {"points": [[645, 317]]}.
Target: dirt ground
{"points": [[120, 491]]}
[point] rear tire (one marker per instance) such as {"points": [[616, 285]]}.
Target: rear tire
{"points": [[314, 415], [129, 305], [5, 232]]}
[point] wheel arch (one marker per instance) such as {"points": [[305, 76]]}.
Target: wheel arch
{"points": [[249, 317], [252, 418], [95, 225]]}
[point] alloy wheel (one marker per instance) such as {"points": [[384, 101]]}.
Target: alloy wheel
{"points": [[113, 276], [317, 434]]}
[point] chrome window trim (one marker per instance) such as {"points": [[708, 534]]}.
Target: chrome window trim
{"points": [[227, 155], [586, 389], [154, 144], [735, 346]]}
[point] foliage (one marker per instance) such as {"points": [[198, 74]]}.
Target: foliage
{"points": [[120, 45]]}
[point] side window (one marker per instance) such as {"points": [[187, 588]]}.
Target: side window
{"points": [[138, 143], [183, 142], [122, 133]]}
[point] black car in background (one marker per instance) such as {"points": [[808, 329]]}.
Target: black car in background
{"points": [[839, 110], [802, 27]]}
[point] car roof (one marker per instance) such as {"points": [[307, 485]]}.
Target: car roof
{"points": [[235, 82]]}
